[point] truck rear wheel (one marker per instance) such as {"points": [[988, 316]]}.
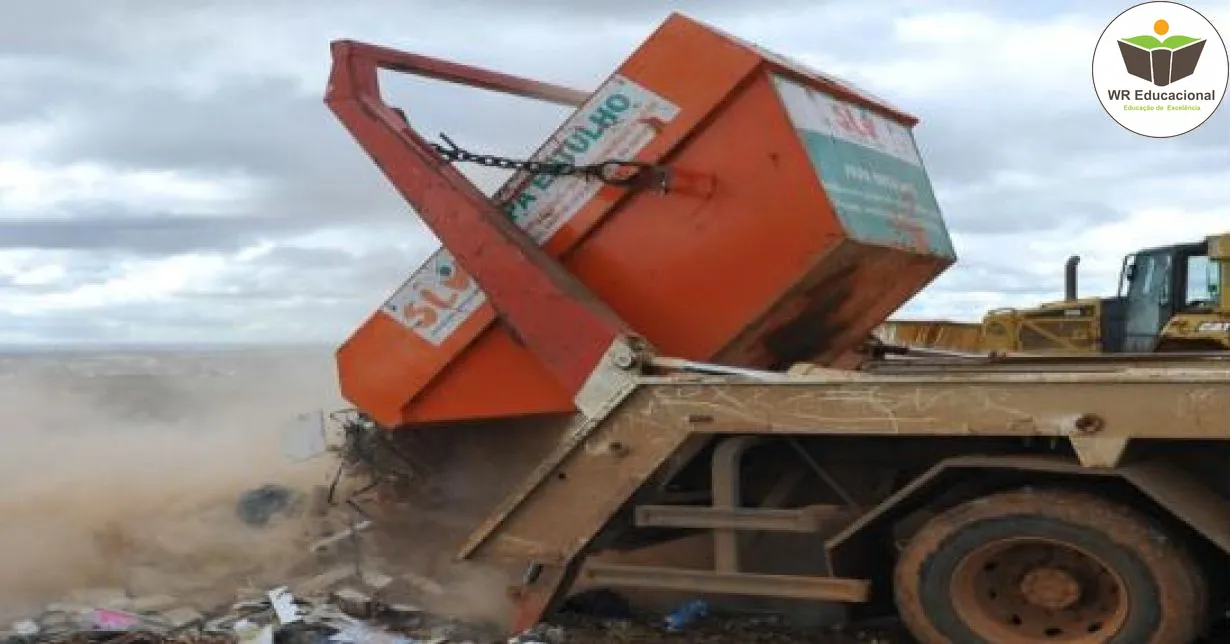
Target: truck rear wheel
{"points": [[1047, 566]]}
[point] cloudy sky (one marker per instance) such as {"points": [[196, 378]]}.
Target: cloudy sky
{"points": [[169, 173]]}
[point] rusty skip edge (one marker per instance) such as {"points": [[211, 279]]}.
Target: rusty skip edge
{"points": [[637, 422]]}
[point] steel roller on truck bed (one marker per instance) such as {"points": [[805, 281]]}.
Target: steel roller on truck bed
{"points": [[716, 203]]}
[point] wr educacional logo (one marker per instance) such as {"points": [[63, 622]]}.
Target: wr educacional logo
{"points": [[1161, 62], [1184, 54]]}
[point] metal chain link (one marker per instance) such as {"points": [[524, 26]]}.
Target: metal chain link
{"points": [[603, 171]]}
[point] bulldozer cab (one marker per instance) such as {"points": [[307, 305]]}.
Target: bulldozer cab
{"points": [[1157, 284]]}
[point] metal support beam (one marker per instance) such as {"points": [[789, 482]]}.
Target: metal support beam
{"points": [[704, 581], [811, 519], [550, 311], [727, 496]]}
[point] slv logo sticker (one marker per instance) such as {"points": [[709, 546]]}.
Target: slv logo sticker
{"points": [[437, 298], [1160, 69]]}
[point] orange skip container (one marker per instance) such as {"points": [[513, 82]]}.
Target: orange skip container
{"points": [[802, 220]]}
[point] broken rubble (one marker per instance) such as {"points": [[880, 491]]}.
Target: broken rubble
{"points": [[280, 617], [249, 633], [257, 507], [26, 628], [284, 605], [541, 634], [353, 602]]}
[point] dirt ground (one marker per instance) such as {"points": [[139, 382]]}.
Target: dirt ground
{"points": [[725, 630]]}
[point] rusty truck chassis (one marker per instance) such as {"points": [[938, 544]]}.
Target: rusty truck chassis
{"points": [[1096, 405]]}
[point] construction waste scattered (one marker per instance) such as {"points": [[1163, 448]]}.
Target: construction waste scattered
{"points": [[348, 593], [355, 617]]}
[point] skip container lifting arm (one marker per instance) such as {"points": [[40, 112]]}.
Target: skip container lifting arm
{"points": [[548, 309]]}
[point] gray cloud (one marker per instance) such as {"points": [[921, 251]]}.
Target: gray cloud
{"points": [[282, 296], [318, 275], [966, 142], [147, 235]]}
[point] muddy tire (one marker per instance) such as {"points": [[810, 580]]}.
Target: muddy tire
{"points": [[1048, 566]]}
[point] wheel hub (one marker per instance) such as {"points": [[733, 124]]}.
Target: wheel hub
{"points": [[1050, 588], [1038, 590]]}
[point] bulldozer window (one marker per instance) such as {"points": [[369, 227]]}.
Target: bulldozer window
{"points": [[1126, 274], [1148, 277], [1202, 282], [1149, 300]]}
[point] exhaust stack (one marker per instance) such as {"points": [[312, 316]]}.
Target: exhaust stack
{"points": [[1069, 278]]}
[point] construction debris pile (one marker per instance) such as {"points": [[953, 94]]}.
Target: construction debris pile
{"points": [[347, 615], [344, 615], [348, 591], [336, 593], [338, 598]]}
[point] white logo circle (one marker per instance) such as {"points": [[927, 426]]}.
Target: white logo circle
{"points": [[1160, 69]]}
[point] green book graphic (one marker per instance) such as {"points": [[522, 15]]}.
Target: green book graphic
{"points": [[1161, 62]]}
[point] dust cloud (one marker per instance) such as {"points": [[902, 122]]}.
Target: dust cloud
{"points": [[124, 470], [464, 472]]}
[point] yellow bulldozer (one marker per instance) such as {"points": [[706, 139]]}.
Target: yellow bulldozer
{"points": [[1170, 298]]}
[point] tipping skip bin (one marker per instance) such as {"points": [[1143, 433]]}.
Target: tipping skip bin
{"points": [[818, 223]]}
